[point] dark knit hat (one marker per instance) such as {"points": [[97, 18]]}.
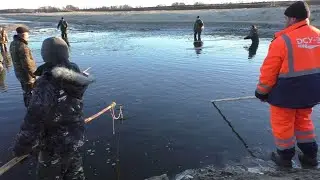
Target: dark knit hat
{"points": [[299, 10], [21, 30]]}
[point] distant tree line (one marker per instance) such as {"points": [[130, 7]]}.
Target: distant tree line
{"points": [[174, 6]]}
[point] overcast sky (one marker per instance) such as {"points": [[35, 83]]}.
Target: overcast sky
{"points": [[98, 3]]}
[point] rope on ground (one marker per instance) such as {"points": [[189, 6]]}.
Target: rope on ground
{"points": [[229, 123], [16, 160]]}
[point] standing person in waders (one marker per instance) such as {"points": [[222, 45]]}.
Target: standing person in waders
{"points": [[63, 25], [254, 36], [23, 62], [197, 28], [290, 82]]}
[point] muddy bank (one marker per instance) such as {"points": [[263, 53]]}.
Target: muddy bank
{"points": [[273, 15], [247, 168], [242, 173], [217, 22]]}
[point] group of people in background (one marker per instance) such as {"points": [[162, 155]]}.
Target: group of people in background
{"points": [[21, 40], [198, 27]]}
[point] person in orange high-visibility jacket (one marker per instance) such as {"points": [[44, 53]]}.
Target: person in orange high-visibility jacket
{"points": [[290, 82]]}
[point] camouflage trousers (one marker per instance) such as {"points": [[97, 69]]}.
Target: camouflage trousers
{"points": [[56, 167]]}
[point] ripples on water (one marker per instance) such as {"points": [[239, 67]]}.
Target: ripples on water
{"points": [[166, 87]]}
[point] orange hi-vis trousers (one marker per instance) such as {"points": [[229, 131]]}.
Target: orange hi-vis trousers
{"points": [[290, 126]]}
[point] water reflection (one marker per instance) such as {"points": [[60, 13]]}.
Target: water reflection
{"points": [[3, 73], [198, 46]]}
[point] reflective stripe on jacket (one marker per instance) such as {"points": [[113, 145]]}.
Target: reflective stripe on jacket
{"points": [[290, 74]]}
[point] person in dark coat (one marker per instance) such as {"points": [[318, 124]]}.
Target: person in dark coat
{"points": [[254, 36], [54, 117], [63, 25], [197, 28]]}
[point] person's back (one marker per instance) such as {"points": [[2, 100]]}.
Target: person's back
{"points": [[306, 47], [55, 115], [290, 82], [198, 25], [301, 42], [63, 25], [197, 28]]}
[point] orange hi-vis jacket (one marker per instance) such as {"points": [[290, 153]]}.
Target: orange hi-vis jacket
{"points": [[290, 73]]}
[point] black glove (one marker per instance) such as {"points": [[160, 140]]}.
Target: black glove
{"points": [[262, 97]]}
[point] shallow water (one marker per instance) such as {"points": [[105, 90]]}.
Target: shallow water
{"points": [[166, 87]]}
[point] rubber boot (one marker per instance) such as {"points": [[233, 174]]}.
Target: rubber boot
{"points": [[308, 162], [276, 158], [283, 157], [308, 157]]}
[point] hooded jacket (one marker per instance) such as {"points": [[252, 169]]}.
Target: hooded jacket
{"points": [[54, 117]]}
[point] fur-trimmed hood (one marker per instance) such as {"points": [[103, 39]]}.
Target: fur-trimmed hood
{"points": [[74, 83], [67, 77], [71, 76]]}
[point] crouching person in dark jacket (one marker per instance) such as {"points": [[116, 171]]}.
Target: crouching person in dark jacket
{"points": [[54, 117]]}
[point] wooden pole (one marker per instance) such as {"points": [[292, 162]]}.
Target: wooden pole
{"points": [[234, 99], [16, 160]]}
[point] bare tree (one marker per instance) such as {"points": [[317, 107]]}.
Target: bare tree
{"points": [[125, 7], [178, 4], [71, 8], [198, 3]]}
